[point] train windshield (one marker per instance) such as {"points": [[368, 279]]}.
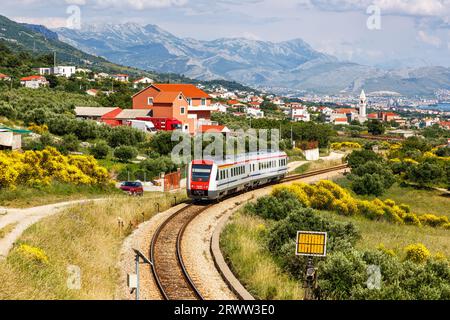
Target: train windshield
{"points": [[201, 172]]}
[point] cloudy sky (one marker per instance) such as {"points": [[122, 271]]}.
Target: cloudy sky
{"points": [[389, 33]]}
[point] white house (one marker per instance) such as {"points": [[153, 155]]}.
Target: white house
{"points": [[141, 81], [220, 107], [299, 112], [34, 82], [4, 77], [9, 139], [63, 71], [255, 113], [101, 75], [121, 77], [81, 70]]}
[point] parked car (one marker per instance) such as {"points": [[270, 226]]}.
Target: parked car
{"points": [[133, 188]]}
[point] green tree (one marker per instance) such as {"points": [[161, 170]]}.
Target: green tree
{"points": [[125, 153], [124, 135], [374, 167], [368, 184], [70, 143], [100, 150], [425, 174], [376, 127], [360, 157]]}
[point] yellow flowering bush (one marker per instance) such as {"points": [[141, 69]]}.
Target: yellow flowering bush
{"points": [[417, 253], [39, 129], [37, 168], [433, 220], [33, 253], [345, 146], [327, 195], [385, 250], [410, 161]]}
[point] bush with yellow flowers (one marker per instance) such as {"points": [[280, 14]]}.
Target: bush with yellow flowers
{"points": [[33, 253], [327, 195], [417, 253], [345, 146], [40, 168], [433, 220], [39, 129]]}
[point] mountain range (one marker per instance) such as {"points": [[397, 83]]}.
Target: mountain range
{"points": [[40, 40], [285, 66]]}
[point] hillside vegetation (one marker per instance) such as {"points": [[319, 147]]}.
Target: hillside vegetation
{"points": [[356, 240]]}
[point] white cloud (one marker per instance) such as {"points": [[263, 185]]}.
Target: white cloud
{"points": [[136, 4], [429, 39], [49, 22], [439, 8]]}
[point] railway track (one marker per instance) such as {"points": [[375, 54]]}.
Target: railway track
{"points": [[168, 267], [169, 271], [313, 173]]}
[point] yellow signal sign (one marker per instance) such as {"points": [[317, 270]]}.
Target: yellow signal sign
{"points": [[311, 243]]}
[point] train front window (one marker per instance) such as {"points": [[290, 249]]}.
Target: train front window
{"points": [[201, 173]]}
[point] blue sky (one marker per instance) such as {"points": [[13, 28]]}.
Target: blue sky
{"points": [[411, 33]]}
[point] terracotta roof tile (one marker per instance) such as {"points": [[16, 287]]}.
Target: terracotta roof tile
{"points": [[189, 90]]}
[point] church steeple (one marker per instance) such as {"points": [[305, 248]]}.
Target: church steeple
{"points": [[363, 105]]}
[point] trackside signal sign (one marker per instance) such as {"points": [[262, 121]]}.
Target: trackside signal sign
{"points": [[311, 243]]}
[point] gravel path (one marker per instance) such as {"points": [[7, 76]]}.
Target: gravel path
{"points": [[27, 217], [197, 241]]}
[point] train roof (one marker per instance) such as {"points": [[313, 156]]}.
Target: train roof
{"points": [[252, 156]]}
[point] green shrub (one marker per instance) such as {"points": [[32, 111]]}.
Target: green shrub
{"points": [[275, 208], [100, 150], [125, 153]]}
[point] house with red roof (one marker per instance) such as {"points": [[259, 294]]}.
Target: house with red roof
{"points": [[99, 114], [184, 102], [4, 77], [92, 92], [255, 104], [445, 124], [342, 120], [233, 102], [34, 82]]}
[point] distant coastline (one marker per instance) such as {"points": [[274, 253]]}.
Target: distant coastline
{"points": [[439, 106]]}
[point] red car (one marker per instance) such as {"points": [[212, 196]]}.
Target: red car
{"points": [[133, 188]]}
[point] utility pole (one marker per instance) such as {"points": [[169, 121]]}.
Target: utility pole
{"points": [[54, 59], [292, 138]]}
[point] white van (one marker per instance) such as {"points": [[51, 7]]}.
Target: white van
{"points": [[146, 126]]}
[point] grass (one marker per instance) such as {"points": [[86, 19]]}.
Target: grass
{"points": [[86, 236], [242, 242], [25, 197], [396, 237], [316, 165], [421, 201], [7, 229]]}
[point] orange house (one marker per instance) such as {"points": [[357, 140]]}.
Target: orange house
{"points": [[184, 102]]}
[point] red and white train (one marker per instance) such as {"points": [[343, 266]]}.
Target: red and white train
{"points": [[213, 180]]}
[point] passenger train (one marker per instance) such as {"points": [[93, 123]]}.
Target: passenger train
{"points": [[214, 179]]}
